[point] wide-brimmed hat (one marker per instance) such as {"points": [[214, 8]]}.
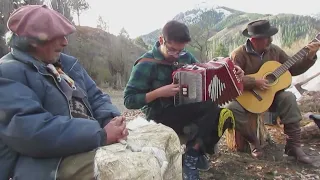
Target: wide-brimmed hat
{"points": [[259, 28], [40, 22]]}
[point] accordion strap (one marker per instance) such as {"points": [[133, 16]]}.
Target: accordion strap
{"points": [[154, 61]]}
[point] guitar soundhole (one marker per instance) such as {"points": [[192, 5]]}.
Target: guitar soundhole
{"points": [[271, 78]]}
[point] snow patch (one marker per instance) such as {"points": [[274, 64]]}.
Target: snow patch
{"points": [[224, 11], [206, 5]]}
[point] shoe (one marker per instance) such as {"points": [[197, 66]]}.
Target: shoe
{"points": [[190, 171], [256, 153], [203, 163], [293, 146]]}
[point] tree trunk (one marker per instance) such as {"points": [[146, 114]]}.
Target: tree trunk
{"points": [[236, 142], [78, 14], [118, 80]]}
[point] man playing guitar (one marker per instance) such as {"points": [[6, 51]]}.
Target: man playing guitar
{"points": [[250, 57]]}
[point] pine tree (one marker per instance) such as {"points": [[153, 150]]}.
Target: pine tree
{"points": [[221, 51]]}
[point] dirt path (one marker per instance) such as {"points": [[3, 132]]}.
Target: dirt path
{"points": [[240, 166]]}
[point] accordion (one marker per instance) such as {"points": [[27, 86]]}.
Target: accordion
{"points": [[214, 80]]}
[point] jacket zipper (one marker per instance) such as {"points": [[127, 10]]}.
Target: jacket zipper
{"points": [[85, 104], [59, 90], [56, 173], [57, 168]]}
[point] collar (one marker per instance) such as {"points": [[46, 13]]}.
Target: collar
{"points": [[67, 63], [249, 48], [156, 51], [28, 59]]}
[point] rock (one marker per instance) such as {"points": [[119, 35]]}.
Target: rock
{"points": [[151, 151], [132, 114], [310, 130], [310, 101]]}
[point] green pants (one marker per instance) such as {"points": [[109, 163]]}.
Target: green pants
{"points": [[284, 104], [77, 167]]}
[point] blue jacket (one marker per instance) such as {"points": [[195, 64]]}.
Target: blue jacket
{"points": [[36, 127]]}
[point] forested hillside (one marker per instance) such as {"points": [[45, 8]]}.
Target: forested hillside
{"points": [[217, 31], [292, 29], [108, 58]]}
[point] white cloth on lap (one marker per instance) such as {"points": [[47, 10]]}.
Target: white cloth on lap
{"points": [[151, 151]]}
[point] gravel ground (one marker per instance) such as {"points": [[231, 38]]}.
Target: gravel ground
{"points": [[236, 165]]}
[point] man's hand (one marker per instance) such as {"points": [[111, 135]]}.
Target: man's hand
{"points": [[262, 84], [239, 72], [168, 90], [116, 130], [313, 48]]}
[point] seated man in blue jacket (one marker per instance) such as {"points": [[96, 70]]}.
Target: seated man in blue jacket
{"points": [[52, 115]]}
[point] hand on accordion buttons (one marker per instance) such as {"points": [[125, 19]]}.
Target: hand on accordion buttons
{"points": [[116, 130], [168, 90], [239, 72]]}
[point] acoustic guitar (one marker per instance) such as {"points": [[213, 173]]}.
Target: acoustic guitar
{"points": [[278, 77]]}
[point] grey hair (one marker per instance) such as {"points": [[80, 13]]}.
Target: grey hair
{"points": [[22, 43]]}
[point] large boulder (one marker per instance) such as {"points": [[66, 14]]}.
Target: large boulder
{"points": [[151, 151]]}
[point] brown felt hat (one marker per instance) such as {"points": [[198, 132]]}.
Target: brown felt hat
{"points": [[259, 28], [40, 22]]}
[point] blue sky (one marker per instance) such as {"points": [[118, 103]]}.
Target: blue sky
{"points": [[143, 16]]}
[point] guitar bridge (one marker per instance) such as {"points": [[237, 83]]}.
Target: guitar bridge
{"points": [[256, 95]]}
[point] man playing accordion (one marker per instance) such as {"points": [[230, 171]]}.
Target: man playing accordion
{"points": [[151, 88]]}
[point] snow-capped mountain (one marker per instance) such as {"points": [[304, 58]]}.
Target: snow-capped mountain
{"points": [[202, 12], [317, 16], [194, 15]]}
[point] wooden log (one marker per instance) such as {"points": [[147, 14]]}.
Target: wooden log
{"points": [[236, 142]]}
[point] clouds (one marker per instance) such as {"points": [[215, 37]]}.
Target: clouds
{"points": [[137, 17]]}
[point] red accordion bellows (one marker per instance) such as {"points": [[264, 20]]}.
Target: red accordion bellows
{"points": [[215, 80]]}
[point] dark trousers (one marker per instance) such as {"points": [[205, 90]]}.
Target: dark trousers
{"points": [[205, 115], [284, 104]]}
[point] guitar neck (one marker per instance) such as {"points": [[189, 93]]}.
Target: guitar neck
{"points": [[292, 60]]}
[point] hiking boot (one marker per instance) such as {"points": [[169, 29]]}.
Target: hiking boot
{"points": [[293, 146], [190, 171], [256, 153], [203, 163]]}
